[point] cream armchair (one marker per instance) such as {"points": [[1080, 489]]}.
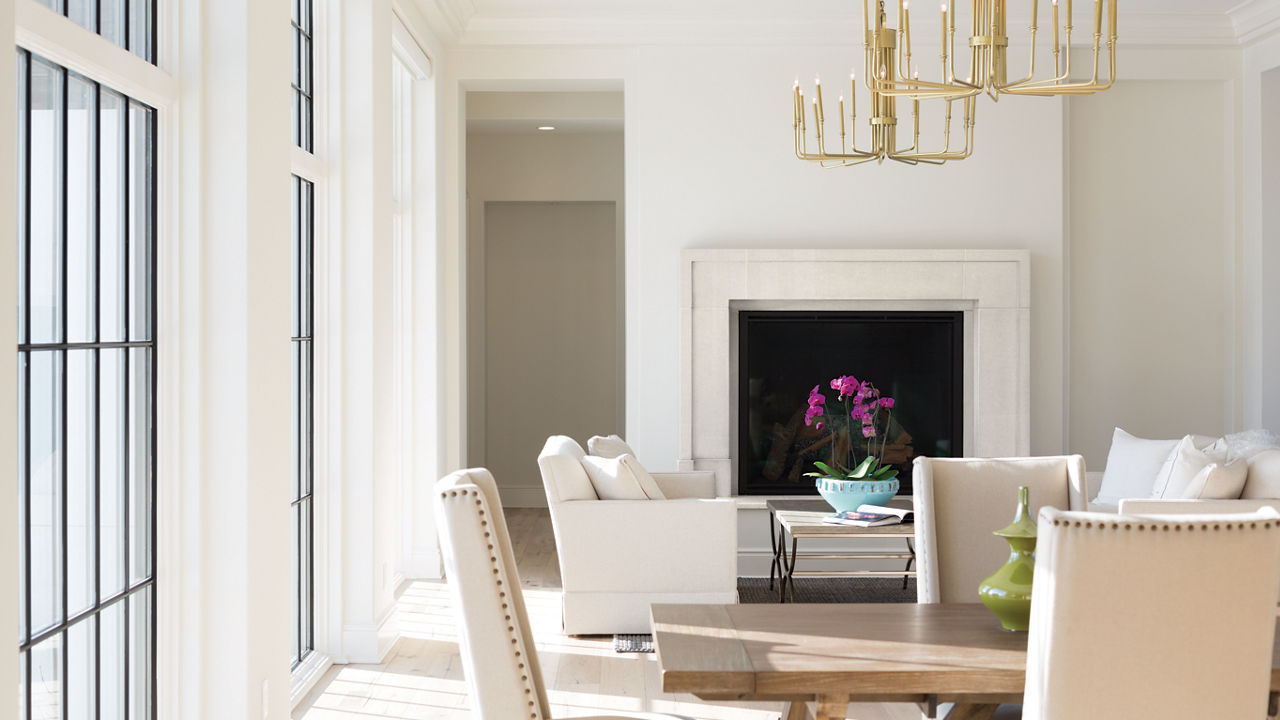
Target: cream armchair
{"points": [[617, 557], [960, 501]]}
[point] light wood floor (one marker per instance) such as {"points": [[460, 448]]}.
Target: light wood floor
{"points": [[422, 677]]}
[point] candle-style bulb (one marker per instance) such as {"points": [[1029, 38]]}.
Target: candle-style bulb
{"points": [[904, 4], [915, 75], [944, 7], [817, 80]]}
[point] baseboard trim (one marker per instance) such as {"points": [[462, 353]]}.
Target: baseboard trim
{"points": [[371, 642], [424, 564]]}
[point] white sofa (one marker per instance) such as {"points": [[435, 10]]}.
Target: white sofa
{"points": [[617, 557], [1261, 489]]}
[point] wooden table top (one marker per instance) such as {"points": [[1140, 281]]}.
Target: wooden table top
{"points": [[865, 650], [803, 518]]}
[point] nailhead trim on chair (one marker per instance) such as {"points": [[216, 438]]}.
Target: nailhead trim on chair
{"points": [[1177, 527], [511, 630]]}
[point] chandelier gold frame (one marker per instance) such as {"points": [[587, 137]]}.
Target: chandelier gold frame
{"points": [[890, 73]]}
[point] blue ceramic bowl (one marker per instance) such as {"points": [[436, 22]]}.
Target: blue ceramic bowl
{"points": [[849, 494]]}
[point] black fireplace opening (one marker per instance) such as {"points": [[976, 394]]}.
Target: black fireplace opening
{"points": [[917, 358]]}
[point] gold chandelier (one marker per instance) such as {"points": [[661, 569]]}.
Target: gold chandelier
{"points": [[891, 73]]}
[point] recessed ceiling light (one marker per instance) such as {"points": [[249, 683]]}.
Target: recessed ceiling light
{"points": [[546, 127]]}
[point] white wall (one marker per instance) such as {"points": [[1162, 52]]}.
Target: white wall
{"points": [[1150, 263], [1270, 189], [709, 164], [1261, 234], [543, 167]]}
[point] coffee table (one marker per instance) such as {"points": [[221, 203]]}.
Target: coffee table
{"points": [[802, 519]]}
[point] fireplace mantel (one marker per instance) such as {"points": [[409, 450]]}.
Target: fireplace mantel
{"points": [[992, 288]]}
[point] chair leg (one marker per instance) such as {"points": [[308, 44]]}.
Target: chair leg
{"points": [[796, 710]]}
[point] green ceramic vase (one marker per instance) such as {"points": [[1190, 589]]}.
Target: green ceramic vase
{"points": [[1007, 593]]}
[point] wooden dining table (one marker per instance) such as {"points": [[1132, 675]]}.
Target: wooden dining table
{"points": [[832, 655]]}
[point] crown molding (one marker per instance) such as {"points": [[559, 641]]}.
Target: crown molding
{"points": [[600, 28], [1254, 19], [448, 18]]}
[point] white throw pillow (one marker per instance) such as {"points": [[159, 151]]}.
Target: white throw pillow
{"points": [[1263, 480], [1132, 467], [621, 478], [1184, 463], [609, 446], [1217, 481]]}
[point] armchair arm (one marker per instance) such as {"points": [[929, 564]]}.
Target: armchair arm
{"points": [[692, 484], [1093, 483], [681, 545]]}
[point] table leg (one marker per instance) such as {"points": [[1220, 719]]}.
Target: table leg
{"points": [[911, 549], [784, 570], [833, 707], [971, 712], [773, 545], [791, 570]]}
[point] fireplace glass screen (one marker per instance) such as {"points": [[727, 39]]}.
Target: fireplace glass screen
{"points": [[915, 357]]}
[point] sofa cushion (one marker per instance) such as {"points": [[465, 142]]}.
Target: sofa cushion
{"points": [[621, 478], [1184, 464], [1132, 467], [1263, 478], [608, 446], [1211, 446], [1217, 481]]}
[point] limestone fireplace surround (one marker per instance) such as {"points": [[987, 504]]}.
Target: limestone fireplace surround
{"points": [[991, 287]]}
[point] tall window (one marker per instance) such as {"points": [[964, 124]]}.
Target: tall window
{"points": [[303, 419], [87, 396], [303, 511], [303, 127], [131, 24]]}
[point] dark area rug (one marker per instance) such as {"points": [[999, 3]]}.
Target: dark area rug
{"points": [[830, 590], [808, 590]]}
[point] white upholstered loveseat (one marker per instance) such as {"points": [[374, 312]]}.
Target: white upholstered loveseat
{"points": [[617, 557]]}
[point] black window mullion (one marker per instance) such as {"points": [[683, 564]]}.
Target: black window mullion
{"points": [[125, 242], [153, 223], [63, 444], [97, 386], [26, 380]]}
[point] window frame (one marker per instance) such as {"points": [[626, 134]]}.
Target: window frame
{"points": [[61, 346], [59, 40], [312, 166]]}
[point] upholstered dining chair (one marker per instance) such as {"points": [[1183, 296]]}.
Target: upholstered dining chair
{"points": [[960, 501], [499, 660], [1152, 616]]}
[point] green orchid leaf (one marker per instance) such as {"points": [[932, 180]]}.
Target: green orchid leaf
{"points": [[824, 467]]}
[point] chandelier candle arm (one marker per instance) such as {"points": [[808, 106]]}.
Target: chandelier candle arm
{"points": [[891, 73]]}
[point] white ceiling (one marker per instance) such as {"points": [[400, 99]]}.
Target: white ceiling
{"points": [[631, 8], [803, 22]]}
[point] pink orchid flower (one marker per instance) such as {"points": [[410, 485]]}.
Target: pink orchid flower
{"points": [[886, 403], [869, 431]]}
